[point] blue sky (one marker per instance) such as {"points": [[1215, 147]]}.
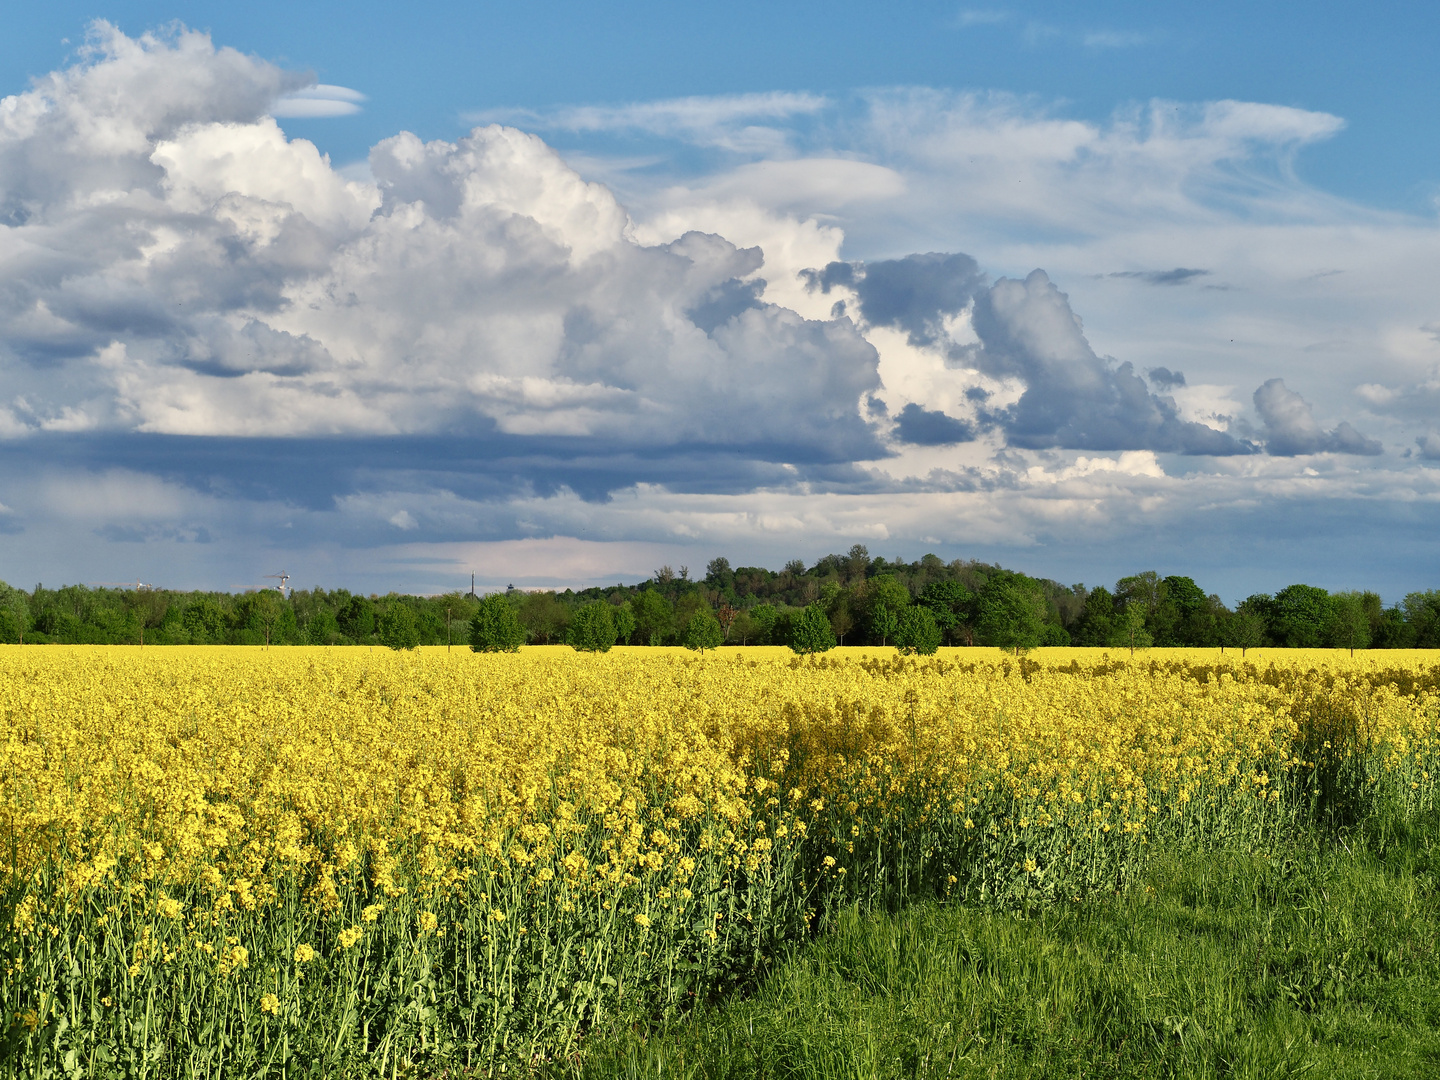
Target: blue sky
{"points": [[426, 68], [1082, 291]]}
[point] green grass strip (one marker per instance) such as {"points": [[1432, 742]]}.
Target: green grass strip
{"points": [[1322, 959]]}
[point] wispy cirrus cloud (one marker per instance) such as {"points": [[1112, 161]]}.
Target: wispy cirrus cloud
{"points": [[982, 17], [744, 123]]}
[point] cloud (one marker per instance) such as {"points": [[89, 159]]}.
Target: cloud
{"points": [[925, 427], [1072, 398], [913, 294], [209, 332], [1429, 445], [318, 101], [1179, 276], [1291, 428], [737, 122], [1419, 400], [219, 278], [981, 17], [1165, 378]]}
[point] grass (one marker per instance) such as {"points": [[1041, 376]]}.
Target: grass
{"points": [[1322, 959]]}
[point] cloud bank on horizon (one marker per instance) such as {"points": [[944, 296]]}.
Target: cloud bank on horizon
{"points": [[219, 349]]}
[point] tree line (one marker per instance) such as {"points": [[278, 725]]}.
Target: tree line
{"points": [[850, 599]]}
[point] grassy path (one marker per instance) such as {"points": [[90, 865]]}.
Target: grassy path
{"points": [[1323, 960]]}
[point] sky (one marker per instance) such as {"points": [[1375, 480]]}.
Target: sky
{"points": [[557, 294]]}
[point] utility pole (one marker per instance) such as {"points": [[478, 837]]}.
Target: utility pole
{"points": [[447, 629]]}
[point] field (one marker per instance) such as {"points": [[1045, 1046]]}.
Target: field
{"points": [[232, 861]]}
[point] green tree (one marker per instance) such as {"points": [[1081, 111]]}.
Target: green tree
{"points": [[950, 603], [544, 617], [624, 621], [1422, 614], [654, 618], [1130, 631], [766, 618], [322, 629], [15, 612], [257, 612], [1298, 616], [744, 628], [1183, 615], [494, 627], [687, 606], [703, 632], [593, 628], [397, 627], [857, 563], [885, 598], [1244, 630], [357, 619], [718, 574], [918, 631], [810, 631], [1392, 630], [1347, 624], [1097, 624], [1010, 613], [206, 622], [1143, 589]]}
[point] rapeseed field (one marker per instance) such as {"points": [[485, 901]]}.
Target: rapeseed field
{"points": [[236, 861]]}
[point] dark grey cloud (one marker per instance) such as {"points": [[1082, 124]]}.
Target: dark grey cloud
{"points": [[1178, 276], [913, 294], [1073, 399], [1165, 378], [1429, 445], [924, 427], [1291, 428]]}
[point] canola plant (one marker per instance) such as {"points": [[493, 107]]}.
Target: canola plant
{"points": [[235, 861]]}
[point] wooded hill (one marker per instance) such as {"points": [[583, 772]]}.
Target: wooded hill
{"points": [[864, 600]]}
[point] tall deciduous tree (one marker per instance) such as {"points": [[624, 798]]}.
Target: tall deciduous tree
{"points": [[593, 628], [918, 631], [1011, 613], [1298, 616], [1422, 613], [544, 617], [654, 617], [494, 627], [950, 603], [1347, 625], [885, 599], [703, 632], [15, 610], [810, 631], [1244, 630], [397, 627], [1130, 629]]}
